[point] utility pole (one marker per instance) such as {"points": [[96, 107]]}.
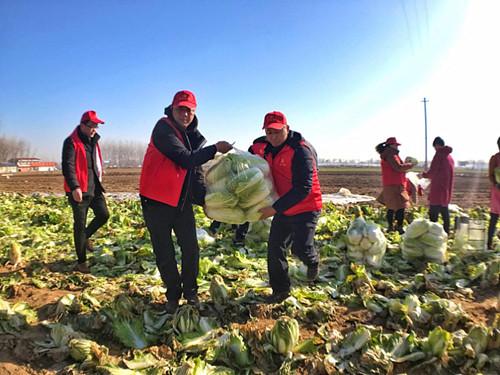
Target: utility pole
{"points": [[425, 118]]}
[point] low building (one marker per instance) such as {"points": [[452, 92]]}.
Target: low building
{"points": [[33, 165], [8, 168]]}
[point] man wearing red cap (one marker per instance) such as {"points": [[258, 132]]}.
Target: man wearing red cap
{"points": [[82, 170], [293, 165], [394, 193], [171, 182]]}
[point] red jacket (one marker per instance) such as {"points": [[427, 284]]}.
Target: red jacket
{"points": [[441, 175], [161, 178], [393, 168], [81, 168], [493, 164], [281, 170]]}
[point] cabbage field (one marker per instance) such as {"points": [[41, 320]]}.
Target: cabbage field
{"points": [[420, 303]]}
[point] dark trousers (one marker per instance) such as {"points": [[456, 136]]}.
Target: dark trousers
{"points": [[400, 215], [492, 227], [80, 229], [160, 220], [434, 212], [297, 231]]}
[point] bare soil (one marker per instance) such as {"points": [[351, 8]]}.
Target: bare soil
{"points": [[471, 187]]}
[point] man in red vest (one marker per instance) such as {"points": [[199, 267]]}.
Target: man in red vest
{"points": [[171, 182], [82, 170], [293, 165]]}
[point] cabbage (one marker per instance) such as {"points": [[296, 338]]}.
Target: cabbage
{"points": [[255, 195], [437, 343], [245, 180], [411, 159], [226, 215], [233, 351], [238, 185], [366, 243], [219, 292], [424, 240], [218, 172], [411, 253], [285, 334], [354, 341], [186, 319], [354, 236], [417, 228], [221, 199], [254, 214]]}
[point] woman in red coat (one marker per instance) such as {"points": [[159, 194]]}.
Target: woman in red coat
{"points": [[394, 193], [441, 175], [494, 177]]}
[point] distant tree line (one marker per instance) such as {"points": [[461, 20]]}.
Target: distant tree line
{"points": [[123, 154], [11, 148]]}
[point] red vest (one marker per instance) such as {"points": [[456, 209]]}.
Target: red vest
{"points": [[161, 179], [391, 176], [81, 168], [281, 170]]}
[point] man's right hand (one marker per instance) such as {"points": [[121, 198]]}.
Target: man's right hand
{"points": [[77, 195], [223, 146]]}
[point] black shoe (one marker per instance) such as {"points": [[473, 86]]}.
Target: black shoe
{"points": [[312, 272], [277, 297], [400, 229], [238, 241], [171, 306], [193, 301], [213, 228]]}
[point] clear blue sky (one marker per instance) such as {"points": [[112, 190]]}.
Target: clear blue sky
{"points": [[347, 74]]}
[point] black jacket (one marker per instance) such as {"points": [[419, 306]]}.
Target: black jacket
{"points": [[68, 164], [303, 162], [189, 155]]}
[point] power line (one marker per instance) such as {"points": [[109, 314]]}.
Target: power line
{"points": [[425, 119]]}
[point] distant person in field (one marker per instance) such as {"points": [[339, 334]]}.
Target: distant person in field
{"points": [[441, 175], [170, 183], [293, 164], [82, 169], [394, 192], [494, 177]]}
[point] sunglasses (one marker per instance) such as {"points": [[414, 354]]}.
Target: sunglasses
{"points": [[92, 126]]}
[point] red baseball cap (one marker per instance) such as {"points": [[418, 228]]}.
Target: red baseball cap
{"points": [[392, 141], [91, 116], [184, 98], [274, 120]]}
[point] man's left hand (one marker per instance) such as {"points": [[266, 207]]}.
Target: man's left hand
{"points": [[267, 212]]}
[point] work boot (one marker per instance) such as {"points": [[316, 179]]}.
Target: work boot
{"points": [[277, 297], [213, 228], [82, 267], [193, 301], [171, 306], [312, 272], [238, 241]]}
